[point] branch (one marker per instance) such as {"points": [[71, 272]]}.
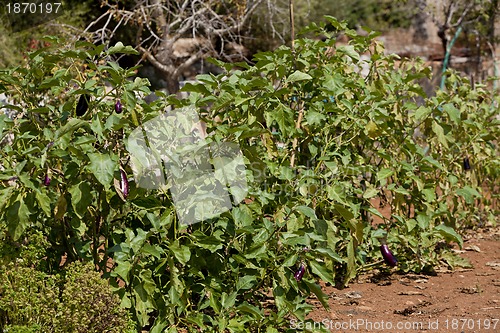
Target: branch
{"points": [[242, 22], [151, 58]]}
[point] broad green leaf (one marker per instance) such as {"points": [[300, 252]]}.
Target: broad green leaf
{"points": [[422, 112], [321, 271], [246, 282], [316, 289], [228, 300], [370, 193], [449, 234], [154, 250], [81, 198], [43, 202], [5, 194], [384, 173], [254, 311], [423, 221], [452, 112], [336, 193], [103, 167], [454, 260], [314, 118], [307, 211], [298, 76], [468, 193], [181, 252], [329, 254], [122, 270], [159, 325], [17, 217], [147, 282], [120, 48], [72, 125], [438, 130], [346, 213], [350, 51], [208, 242]]}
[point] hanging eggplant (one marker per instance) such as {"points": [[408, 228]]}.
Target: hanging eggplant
{"points": [[83, 105], [466, 164], [388, 256], [118, 106]]}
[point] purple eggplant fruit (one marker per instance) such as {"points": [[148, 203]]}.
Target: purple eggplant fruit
{"points": [[124, 184], [46, 180], [466, 164], [118, 106], [83, 105], [299, 273], [388, 256]]}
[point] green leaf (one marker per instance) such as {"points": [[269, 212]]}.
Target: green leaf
{"points": [[346, 213], [330, 254], [81, 198], [438, 130], [18, 217], [5, 194], [120, 48], [72, 125], [314, 118], [455, 260], [336, 193], [350, 51], [370, 193], [43, 202], [449, 234], [307, 211], [468, 193], [452, 112], [422, 112], [181, 252], [316, 289], [384, 173], [154, 250], [321, 271], [208, 242], [423, 221], [246, 282], [254, 311], [298, 76], [228, 300], [123, 269], [103, 166]]}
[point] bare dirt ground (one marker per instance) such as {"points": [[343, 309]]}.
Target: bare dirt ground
{"points": [[464, 300]]}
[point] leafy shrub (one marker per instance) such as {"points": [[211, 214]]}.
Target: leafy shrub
{"points": [[28, 297], [80, 301], [88, 304], [322, 140]]}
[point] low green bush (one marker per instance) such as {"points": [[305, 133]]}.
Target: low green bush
{"points": [[76, 300]]}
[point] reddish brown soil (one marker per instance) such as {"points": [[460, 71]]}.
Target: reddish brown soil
{"points": [[464, 300]]}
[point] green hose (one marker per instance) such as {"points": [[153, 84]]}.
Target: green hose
{"points": [[447, 56]]}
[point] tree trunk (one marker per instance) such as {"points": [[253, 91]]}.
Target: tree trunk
{"points": [[172, 83]]}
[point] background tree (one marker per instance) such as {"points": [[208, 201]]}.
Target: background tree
{"points": [[471, 22], [159, 27]]}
